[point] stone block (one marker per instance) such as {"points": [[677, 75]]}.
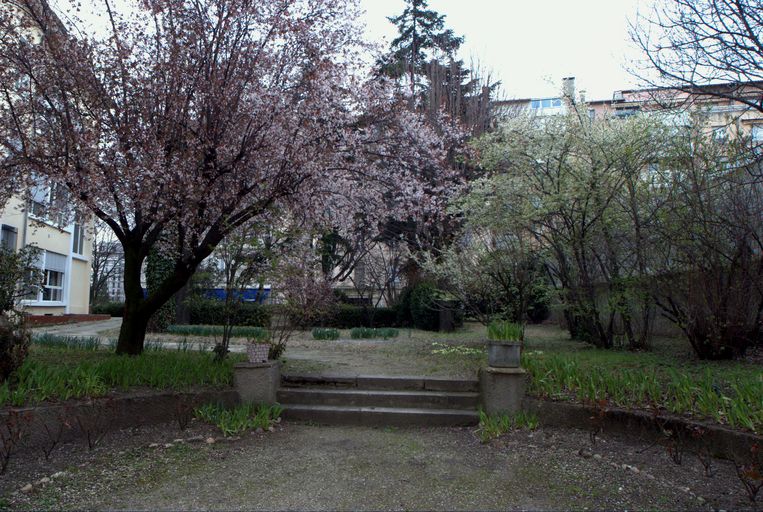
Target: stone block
{"points": [[502, 389], [257, 383]]}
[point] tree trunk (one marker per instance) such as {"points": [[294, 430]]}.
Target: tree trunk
{"points": [[135, 317], [133, 332]]}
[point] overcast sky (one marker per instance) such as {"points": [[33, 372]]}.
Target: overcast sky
{"points": [[531, 45], [528, 44]]}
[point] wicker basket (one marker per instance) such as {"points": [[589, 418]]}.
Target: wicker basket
{"points": [[258, 352]]}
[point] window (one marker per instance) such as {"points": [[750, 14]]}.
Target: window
{"points": [[546, 103], [53, 284], [78, 238], [720, 134], [591, 114], [8, 237], [54, 269], [42, 196], [757, 133]]}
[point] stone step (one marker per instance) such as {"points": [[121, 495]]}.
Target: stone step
{"points": [[352, 397], [381, 382], [380, 416]]}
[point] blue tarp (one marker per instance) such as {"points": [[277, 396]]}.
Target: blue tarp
{"points": [[247, 295]]}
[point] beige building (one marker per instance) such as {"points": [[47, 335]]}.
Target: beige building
{"points": [[724, 117], [65, 251]]}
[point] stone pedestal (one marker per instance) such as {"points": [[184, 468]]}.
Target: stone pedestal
{"points": [[502, 389], [257, 383]]}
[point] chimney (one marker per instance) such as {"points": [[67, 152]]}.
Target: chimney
{"points": [[582, 95], [568, 87]]}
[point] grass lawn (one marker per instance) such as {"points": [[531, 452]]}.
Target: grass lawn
{"points": [[55, 372], [667, 378]]}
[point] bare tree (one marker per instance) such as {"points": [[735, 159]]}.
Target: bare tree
{"points": [[695, 43], [106, 262]]}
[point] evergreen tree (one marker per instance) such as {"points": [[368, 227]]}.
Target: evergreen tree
{"points": [[421, 36]]}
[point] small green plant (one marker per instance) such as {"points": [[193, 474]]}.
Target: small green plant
{"points": [[257, 333], [240, 418], [67, 342], [493, 426], [322, 333], [364, 333], [501, 330]]}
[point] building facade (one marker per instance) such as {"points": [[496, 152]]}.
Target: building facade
{"points": [[65, 250]]}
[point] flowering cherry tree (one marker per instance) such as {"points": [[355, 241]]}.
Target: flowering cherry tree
{"points": [[187, 119]]}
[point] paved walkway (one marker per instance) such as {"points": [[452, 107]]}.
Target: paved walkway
{"points": [[86, 329]]}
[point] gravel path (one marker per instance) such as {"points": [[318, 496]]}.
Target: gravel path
{"points": [[307, 467]]}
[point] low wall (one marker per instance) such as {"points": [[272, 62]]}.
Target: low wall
{"points": [[41, 425], [42, 320], [716, 440]]}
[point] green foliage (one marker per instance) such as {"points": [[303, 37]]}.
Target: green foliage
{"points": [[492, 426], [19, 274], [347, 316], [728, 397], [115, 309], [323, 333], [158, 268], [424, 308], [14, 346], [255, 333], [65, 370], [501, 330], [212, 312], [241, 418], [359, 333], [66, 342], [421, 35]]}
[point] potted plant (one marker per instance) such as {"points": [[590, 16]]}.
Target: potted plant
{"points": [[504, 344]]}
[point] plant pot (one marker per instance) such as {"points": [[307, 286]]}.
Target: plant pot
{"points": [[503, 354], [257, 352]]}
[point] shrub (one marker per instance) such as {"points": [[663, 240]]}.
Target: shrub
{"points": [[425, 312], [115, 309], [359, 333], [257, 333], [159, 266], [212, 312], [239, 419], [346, 316], [14, 347], [403, 308], [494, 426], [323, 333]]}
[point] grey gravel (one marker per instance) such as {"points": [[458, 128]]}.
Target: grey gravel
{"points": [[305, 467]]}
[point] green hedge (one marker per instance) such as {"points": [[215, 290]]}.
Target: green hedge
{"points": [[345, 316], [109, 308], [212, 312]]}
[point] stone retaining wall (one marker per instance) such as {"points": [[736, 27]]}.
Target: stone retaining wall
{"points": [[77, 420], [716, 440]]}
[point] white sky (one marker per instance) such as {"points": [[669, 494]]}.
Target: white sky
{"points": [[530, 45]]}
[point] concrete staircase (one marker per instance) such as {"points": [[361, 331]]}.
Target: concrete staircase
{"points": [[379, 400]]}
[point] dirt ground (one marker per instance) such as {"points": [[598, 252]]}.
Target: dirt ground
{"points": [[308, 467]]}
